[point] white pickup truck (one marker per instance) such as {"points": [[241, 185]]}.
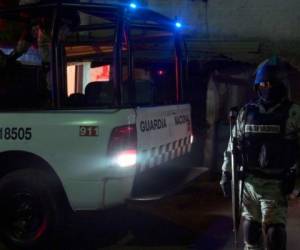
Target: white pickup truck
{"points": [[91, 115]]}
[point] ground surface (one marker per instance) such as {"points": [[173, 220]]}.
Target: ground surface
{"points": [[196, 218]]}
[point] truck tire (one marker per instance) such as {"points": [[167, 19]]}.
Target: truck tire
{"points": [[29, 212]]}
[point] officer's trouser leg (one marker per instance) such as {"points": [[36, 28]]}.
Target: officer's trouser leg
{"points": [[276, 237], [253, 237]]}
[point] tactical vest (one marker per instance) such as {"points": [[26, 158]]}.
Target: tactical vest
{"points": [[265, 147]]}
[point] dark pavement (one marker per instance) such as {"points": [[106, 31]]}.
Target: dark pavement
{"points": [[196, 218]]}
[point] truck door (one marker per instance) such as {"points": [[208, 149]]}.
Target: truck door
{"points": [[163, 121]]}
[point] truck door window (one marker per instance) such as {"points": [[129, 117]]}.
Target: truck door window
{"points": [[154, 66], [89, 60]]}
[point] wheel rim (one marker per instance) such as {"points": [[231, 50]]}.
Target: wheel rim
{"points": [[24, 217]]}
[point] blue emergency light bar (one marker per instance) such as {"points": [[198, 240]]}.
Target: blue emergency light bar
{"points": [[133, 5], [178, 25]]}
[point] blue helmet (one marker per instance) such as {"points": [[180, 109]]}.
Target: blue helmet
{"points": [[268, 71]]}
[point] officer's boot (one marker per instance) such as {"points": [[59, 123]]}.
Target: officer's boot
{"points": [[253, 237], [276, 237]]}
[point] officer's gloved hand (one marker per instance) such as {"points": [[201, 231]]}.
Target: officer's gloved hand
{"points": [[225, 184]]}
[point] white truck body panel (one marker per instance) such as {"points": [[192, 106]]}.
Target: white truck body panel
{"points": [[160, 131], [81, 162], [96, 121]]}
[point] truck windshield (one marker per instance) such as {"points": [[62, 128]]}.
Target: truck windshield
{"points": [[24, 55]]}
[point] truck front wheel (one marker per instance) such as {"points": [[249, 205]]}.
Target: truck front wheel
{"points": [[29, 213]]}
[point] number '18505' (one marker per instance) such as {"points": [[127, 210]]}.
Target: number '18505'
{"points": [[14, 133]]}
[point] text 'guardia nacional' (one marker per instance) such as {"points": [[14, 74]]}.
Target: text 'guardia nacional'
{"points": [[180, 119], [154, 124]]}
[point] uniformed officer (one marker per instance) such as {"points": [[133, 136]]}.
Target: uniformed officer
{"points": [[267, 131]]}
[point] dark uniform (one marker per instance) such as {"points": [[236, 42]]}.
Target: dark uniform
{"points": [[267, 131]]}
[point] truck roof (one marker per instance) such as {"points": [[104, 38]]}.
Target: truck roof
{"points": [[140, 16]]}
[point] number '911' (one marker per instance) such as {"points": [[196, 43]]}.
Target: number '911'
{"points": [[15, 133]]}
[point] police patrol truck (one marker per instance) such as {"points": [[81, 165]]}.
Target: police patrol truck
{"points": [[92, 113]]}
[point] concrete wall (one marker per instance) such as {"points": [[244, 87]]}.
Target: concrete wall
{"points": [[236, 19], [273, 24]]}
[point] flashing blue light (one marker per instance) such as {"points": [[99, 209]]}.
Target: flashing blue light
{"points": [[133, 5], [178, 25]]}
